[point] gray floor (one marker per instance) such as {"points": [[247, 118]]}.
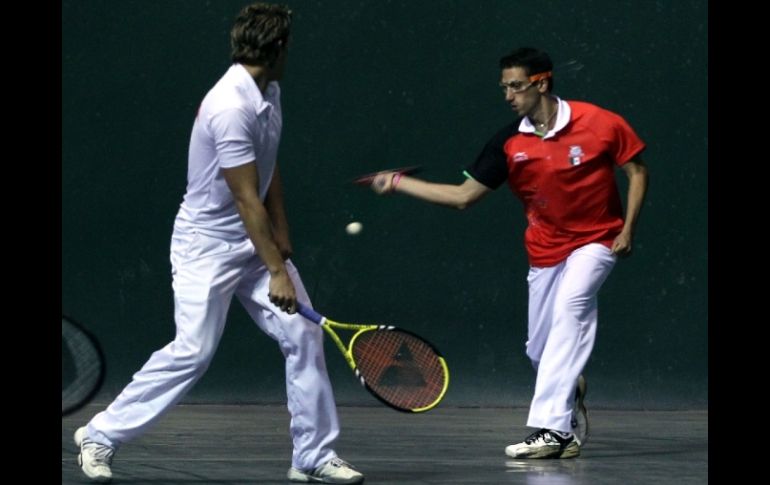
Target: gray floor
{"points": [[249, 444]]}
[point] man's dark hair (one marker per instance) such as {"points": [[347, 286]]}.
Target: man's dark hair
{"points": [[533, 61], [261, 30]]}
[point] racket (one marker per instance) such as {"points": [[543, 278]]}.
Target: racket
{"points": [[369, 177], [399, 368], [82, 370]]}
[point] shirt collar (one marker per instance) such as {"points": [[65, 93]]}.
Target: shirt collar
{"points": [[246, 85], [562, 118]]}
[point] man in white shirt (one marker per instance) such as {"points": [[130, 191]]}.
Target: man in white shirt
{"points": [[231, 238]]}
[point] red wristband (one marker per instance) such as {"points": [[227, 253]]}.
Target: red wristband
{"points": [[396, 179]]}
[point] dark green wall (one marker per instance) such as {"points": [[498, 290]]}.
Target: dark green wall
{"points": [[371, 85]]}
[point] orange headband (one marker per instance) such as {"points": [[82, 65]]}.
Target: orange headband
{"points": [[542, 75]]}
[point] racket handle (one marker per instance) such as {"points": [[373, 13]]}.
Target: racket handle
{"points": [[369, 178], [309, 313]]}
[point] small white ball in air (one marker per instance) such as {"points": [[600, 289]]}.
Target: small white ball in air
{"points": [[354, 228]]}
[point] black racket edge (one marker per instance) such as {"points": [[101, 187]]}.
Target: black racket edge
{"points": [[387, 403], [393, 406], [103, 365], [390, 328]]}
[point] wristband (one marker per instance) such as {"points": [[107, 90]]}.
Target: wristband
{"points": [[396, 179]]}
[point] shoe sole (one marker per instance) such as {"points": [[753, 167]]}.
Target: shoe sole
{"points": [[296, 479], [97, 479], [571, 451], [299, 477]]}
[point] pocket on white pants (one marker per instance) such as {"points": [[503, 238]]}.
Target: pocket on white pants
{"points": [[203, 246]]}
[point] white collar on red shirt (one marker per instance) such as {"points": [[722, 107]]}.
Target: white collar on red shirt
{"points": [[562, 118]]}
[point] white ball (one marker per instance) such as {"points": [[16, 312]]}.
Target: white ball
{"points": [[354, 228]]}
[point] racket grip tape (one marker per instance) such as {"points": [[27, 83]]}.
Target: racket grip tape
{"points": [[309, 313]]}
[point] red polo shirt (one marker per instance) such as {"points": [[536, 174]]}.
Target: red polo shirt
{"points": [[566, 179]]}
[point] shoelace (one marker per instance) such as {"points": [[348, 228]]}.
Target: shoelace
{"points": [[339, 462], [102, 454], [536, 436]]}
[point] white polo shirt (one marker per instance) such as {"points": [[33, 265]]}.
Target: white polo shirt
{"points": [[236, 124]]}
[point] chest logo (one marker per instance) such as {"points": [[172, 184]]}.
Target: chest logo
{"points": [[520, 157], [575, 155]]}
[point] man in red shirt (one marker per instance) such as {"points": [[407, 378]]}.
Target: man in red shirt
{"points": [[559, 158]]}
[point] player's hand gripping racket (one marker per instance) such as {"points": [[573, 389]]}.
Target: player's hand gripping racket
{"points": [[369, 177], [82, 370], [398, 367]]}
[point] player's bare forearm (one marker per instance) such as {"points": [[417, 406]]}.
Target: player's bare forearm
{"points": [[637, 175], [258, 226], [243, 182], [459, 196], [276, 210], [636, 171]]}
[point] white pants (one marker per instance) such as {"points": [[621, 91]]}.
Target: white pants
{"points": [[207, 272], [562, 330]]}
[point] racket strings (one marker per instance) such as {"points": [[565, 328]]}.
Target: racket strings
{"points": [[82, 367], [399, 367]]}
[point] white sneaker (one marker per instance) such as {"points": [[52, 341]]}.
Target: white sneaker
{"points": [[94, 458], [335, 470], [545, 444]]}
